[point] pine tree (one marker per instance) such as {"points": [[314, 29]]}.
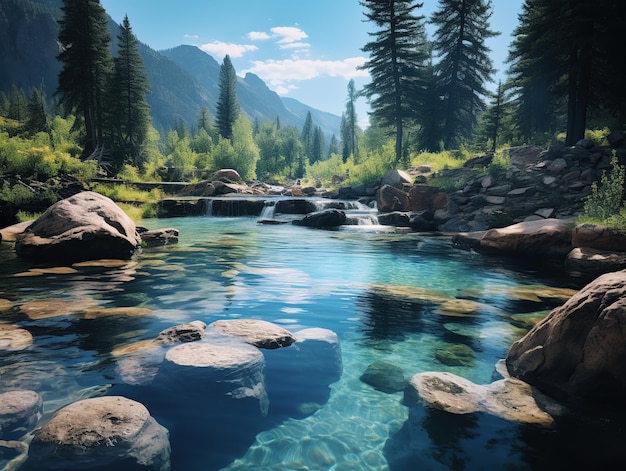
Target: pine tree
{"points": [[18, 105], [333, 147], [317, 149], [350, 124], [4, 104], [396, 64], [306, 136], [37, 118], [464, 66], [87, 66], [227, 104], [130, 85]]}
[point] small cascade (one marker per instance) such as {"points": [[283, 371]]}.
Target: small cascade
{"points": [[268, 211], [208, 209]]}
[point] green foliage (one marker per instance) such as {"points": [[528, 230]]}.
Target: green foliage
{"points": [[23, 216], [127, 193], [437, 160], [606, 203], [21, 195]]}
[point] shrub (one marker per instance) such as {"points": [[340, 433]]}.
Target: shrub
{"points": [[606, 200]]}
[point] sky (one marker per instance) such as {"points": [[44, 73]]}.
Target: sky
{"points": [[304, 49]]}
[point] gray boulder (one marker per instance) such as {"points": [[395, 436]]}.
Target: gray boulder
{"points": [[578, 351], [261, 334], [101, 433], [19, 412], [85, 226], [323, 219], [385, 377]]}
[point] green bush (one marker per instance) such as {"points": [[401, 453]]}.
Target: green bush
{"points": [[606, 200]]}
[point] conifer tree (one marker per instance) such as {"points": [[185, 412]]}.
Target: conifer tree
{"points": [[37, 118], [18, 105], [227, 110], [464, 66], [4, 104], [317, 149], [307, 135], [87, 66], [350, 124], [396, 64], [130, 109]]}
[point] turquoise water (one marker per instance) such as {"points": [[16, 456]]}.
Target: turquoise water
{"points": [[382, 293]]}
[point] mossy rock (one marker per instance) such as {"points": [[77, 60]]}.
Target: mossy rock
{"points": [[456, 354]]}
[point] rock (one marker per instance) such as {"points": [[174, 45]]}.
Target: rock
{"points": [[509, 399], [423, 221], [455, 354], [323, 219], [320, 350], [616, 138], [396, 218], [101, 433], [524, 155], [191, 332], [5, 305], [14, 338], [396, 178], [390, 199], [422, 197], [158, 237], [295, 206], [54, 307], [595, 262], [85, 226], [9, 234], [19, 412], [230, 370], [596, 236], [227, 175], [542, 238], [261, 334], [578, 352], [384, 376], [479, 161]]}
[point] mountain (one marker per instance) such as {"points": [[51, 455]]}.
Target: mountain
{"points": [[183, 79]]}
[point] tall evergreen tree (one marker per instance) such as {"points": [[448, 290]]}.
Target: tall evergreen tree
{"points": [[350, 124], [333, 147], [4, 104], [396, 64], [130, 85], [564, 54], [37, 118], [317, 149], [18, 105], [464, 66], [227, 104], [307, 135], [87, 65]]}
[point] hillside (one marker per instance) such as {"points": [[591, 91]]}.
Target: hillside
{"points": [[183, 79]]}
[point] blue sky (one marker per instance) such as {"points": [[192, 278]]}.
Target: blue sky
{"points": [[303, 49]]}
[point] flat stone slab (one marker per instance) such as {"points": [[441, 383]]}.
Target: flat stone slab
{"points": [[261, 334], [100, 431], [509, 398], [214, 356], [13, 337]]}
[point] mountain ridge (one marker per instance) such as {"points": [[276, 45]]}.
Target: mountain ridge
{"points": [[182, 79]]}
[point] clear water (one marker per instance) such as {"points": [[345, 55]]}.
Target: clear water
{"points": [[352, 281]]}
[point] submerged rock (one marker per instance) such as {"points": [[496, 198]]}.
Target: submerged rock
{"points": [[385, 377], [19, 412], [85, 226], [323, 219], [457, 354], [13, 337], [101, 433]]}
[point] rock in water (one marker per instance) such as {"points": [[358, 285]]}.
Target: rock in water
{"points": [[101, 433], [19, 412], [578, 351], [86, 226]]}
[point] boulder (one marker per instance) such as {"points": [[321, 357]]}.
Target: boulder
{"points": [[396, 178], [385, 377], [190, 332], [595, 236], [595, 262], [509, 398], [323, 219], [227, 175], [9, 234], [101, 433], [390, 199], [578, 351], [542, 238], [295, 206], [422, 197], [19, 412], [320, 350], [85, 226], [261, 334]]}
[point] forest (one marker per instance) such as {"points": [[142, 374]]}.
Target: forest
{"points": [[430, 99]]}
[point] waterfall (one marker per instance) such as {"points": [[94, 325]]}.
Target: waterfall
{"points": [[208, 210], [268, 211]]}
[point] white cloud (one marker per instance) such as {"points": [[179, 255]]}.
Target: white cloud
{"points": [[192, 36], [220, 49], [295, 45], [281, 74], [288, 34], [257, 36]]}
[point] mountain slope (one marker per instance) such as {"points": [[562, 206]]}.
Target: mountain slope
{"points": [[183, 79]]}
